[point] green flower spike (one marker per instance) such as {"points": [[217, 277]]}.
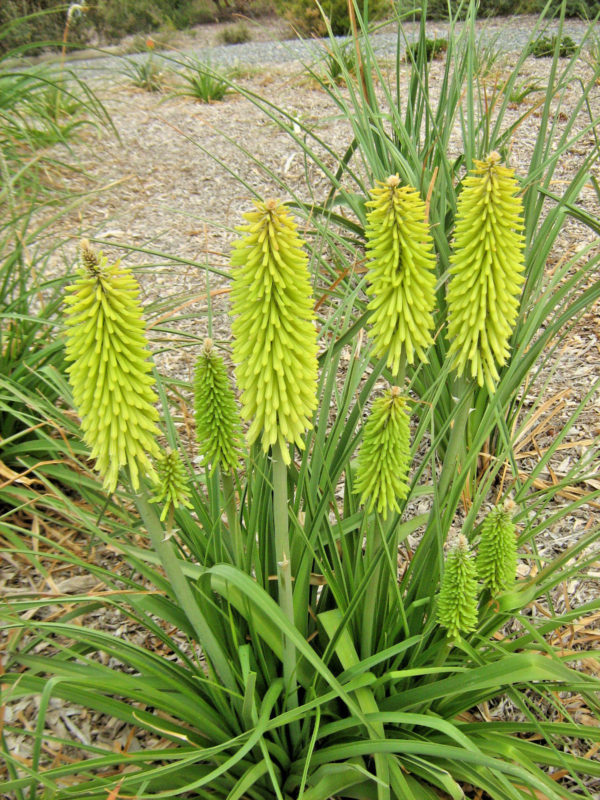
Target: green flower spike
{"points": [[384, 457], [275, 340], [457, 601], [173, 488], [497, 553], [486, 268], [112, 389], [218, 428], [401, 273]]}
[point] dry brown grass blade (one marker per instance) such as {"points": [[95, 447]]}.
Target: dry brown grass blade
{"points": [[535, 426], [19, 477], [567, 493]]}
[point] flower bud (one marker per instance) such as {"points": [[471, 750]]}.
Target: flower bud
{"points": [[275, 340], [457, 600], [401, 273], [384, 456], [172, 489], [486, 269], [112, 387], [497, 552], [218, 428]]}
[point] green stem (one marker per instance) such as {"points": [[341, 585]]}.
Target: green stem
{"points": [[284, 570], [426, 563], [398, 379], [232, 518], [185, 597], [458, 438], [373, 546]]}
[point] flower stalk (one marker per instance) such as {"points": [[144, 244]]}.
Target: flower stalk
{"points": [[486, 268], [218, 432], [110, 369], [401, 274], [275, 351]]}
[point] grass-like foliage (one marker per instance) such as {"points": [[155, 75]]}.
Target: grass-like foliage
{"points": [[40, 107], [238, 33], [322, 613], [202, 82], [433, 48], [545, 46], [144, 73]]}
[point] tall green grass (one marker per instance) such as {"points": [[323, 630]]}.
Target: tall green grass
{"points": [[402, 712]]}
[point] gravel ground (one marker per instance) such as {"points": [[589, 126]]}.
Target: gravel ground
{"points": [[273, 42]]}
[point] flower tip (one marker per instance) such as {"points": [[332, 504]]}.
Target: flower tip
{"points": [[509, 506], [89, 256], [271, 204], [393, 181], [208, 345], [494, 157]]}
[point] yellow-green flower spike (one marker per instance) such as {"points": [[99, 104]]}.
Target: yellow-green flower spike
{"points": [[486, 269], [401, 273], [218, 427], [497, 552], [457, 601], [172, 489], [275, 339], [112, 389], [384, 456]]}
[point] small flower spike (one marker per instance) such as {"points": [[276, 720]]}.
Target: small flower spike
{"points": [[384, 456], [172, 489], [109, 374], [457, 601], [401, 273], [486, 269], [218, 427], [497, 552], [275, 339]]}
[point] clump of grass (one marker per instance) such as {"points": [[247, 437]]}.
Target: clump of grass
{"points": [[204, 83], [519, 92], [340, 64], [544, 47], [432, 49], [145, 74], [238, 33], [40, 107]]}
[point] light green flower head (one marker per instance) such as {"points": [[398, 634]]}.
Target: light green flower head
{"points": [[172, 489], [275, 339], [486, 269], [109, 374], [384, 456], [218, 427], [401, 273], [497, 552], [457, 601]]}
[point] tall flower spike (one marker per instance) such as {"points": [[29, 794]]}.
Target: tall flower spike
{"points": [[497, 552], [112, 389], [275, 340], [218, 428], [384, 456], [457, 601], [401, 273], [486, 268], [172, 489]]}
